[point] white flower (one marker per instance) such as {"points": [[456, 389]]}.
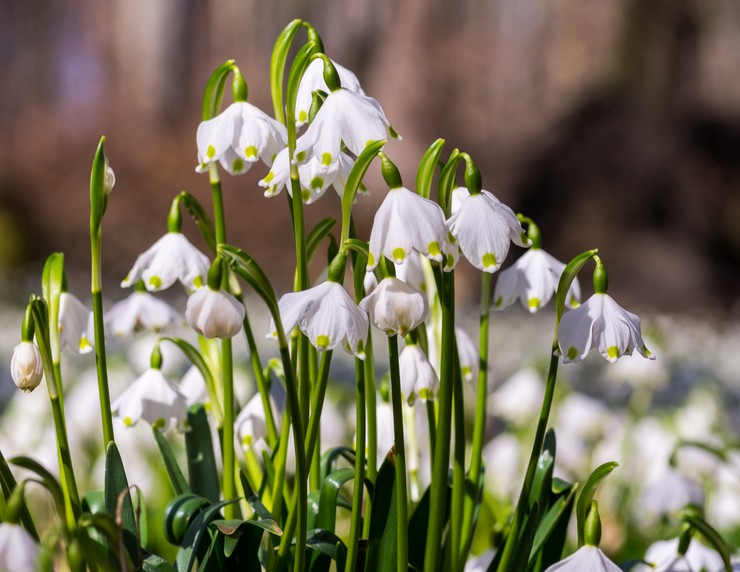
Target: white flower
{"points": [[481, 562], [602, 323], [467, 351], [417, 375], [670, 493], [237, 137], [406, 222], [193, 387], [214, 313], [664, 556], [587, 557], [110, 178], [395, 307], [19, 552], [26, 367], [328, 317], [154, 399], [140, 311], [485, 227], [313, 80], [171, 258], [75, 324], [251, 425], [533, 278], [519, 398], [345, 117]]}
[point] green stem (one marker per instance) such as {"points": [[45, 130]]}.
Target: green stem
{"points": [[229, 485], [372, 429], [359, 487], [479, 427], [280, 460], [100, 357], [402, 555], [458, 479]]}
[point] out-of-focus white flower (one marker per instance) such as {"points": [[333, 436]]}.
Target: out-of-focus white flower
{"points": [[328, 317], [406, 222], [313, 80], [586, 558], [664, 556], [19, 552], [193, 387], [110, 178], [171, 258], [75, 324], [481, 562], [519, 398], [417, 375], [140, 311], [153, 398], [395, 307], [467, 351], [237, 137], [345, 117], [671, 493], [26, 367], [411, 272], [251, 425], [601, 323], [533, 279], [638, 372], [485, 228], [214, 313], [505, 453]]}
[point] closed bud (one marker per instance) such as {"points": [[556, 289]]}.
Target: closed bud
{"points": [[26, 366]]}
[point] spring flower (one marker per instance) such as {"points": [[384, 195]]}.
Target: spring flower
{"points": [[214, 313], [313, 80], [671, 492], [406, 222], [395, 307], [140, 311], [237, 137], [485, 227], [171, 258], [587, 557], [26, 367], [467, 351], [251, 424], [601, 323], [345, 117], [153, 398], [664, 556], [75, 324], [19, 552], [417, 375], [533, 279], [328, 317]]}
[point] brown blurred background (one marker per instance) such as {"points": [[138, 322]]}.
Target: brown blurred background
{"points": [[613, 123]]}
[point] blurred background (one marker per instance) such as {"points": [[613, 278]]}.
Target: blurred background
{"points": [[613, 124]]}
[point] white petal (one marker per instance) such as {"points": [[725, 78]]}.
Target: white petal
{"points": [[575, 333], [214, 313], [154, 399]]}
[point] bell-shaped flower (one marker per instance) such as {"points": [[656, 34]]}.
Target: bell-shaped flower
{"points": [[19, 552], [533, 279], [251, 425], [601, 323], [587, 557], [485, 228], [193, 387], [417, 375], [214, 313], [663, 556], [153, 398], [237, 137], [345, 117], [407, 222], [171, 258], [328, 317], [140, 311], [669, 493], [313, 80], [395, 307], [75, 324], [467, 351], [26, 366]]}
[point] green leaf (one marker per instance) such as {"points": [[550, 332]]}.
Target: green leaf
{"points": [[542, 483], [265, 519], [712, 536], [328, 544], [196, 358], [558, 513], [202, 468], [330, 457], [354, 180], [382, 541], [297, 69], [214, 92], [196, 532], [329, 496], [526, 539], [201, 218], [277, 66], [154, 563], [48, 480], [587, 494], [116, 484], [318, 233], [427, 166], [246, 267], [446, 181], [566, 279], [177, 480], [8, 483], [98, 196]]}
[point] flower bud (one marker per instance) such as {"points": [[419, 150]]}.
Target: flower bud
{"points": [[214, 313], [395, 307], [26, 366]]}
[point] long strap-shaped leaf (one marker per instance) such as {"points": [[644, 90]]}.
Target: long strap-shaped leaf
{"points": [[116, 483], [177, 480]]}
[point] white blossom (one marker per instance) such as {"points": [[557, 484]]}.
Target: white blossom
{"points": [[140, 311], [214, 313], [587, 557], [395, 307], [26, 367], [153, 398], [313, 80], [19, 552], [417, 375], [75, 324]]}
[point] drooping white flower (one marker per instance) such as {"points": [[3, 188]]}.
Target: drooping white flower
{"points": [[140, 311], [153, 398], [75, 324], [345, 117], [587, 557], [26, 367], [485, 228], [670, 493], [467, 351], [395, 307], [237, 137], [601, 323], [406, 222], [417, 375], [110, 178], [328, 317], [664, 556], [251, 424], [19, 552], [313, 80], [193, 387], [214, 313], [533, 279], [171, 258], [519, 398]]}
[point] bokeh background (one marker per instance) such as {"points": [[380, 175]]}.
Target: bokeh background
{"points": [[613, 124]]}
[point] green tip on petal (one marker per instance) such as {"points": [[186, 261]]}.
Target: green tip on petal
{"points": [[322, 342], [159, 423], [198, 282], [434, 249], [238, 165], [155, 282], [612, 352], [302, 116], [269, 177], [425, 394], [450, 261], [399, 254], [128, 422], [498, 302], [250, 152], [84, 344], [467, 371], [326, 159], [488, 260], [317, 182], [572, 352], [247, 441], [370, 259], [300, 156], [306, 195], [211, 152], [534, 304]]}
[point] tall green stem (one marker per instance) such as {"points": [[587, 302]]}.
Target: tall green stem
{"points": [[372, 429], [458, 479], [359, 483], [402, 556], [100, 357]]}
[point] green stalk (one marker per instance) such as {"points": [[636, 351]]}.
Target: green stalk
{"points": [[372, 429], [438, 494], [280, 459], [402, 557], [359, 486], [479, 427], [458, 478]]}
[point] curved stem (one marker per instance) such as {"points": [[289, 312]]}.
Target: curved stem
{"points": [[402, 554]]}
